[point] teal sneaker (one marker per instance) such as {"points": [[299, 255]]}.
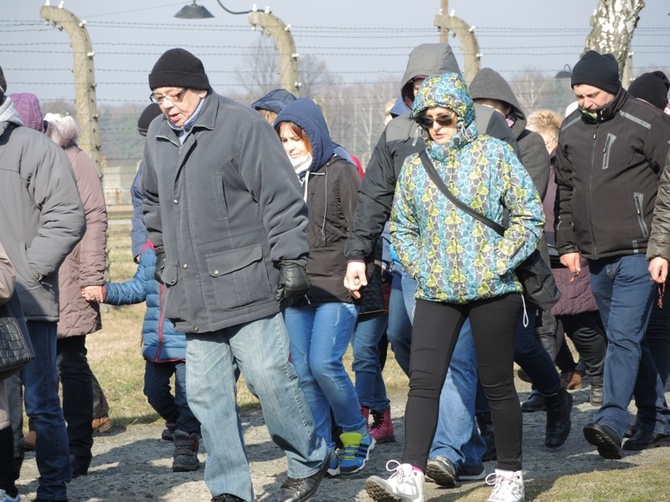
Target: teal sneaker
{"points": [[6, 498], [355, 452]]}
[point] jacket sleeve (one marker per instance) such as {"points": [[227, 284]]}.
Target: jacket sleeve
{"points": [[92, 247], [659, 240], [350, 182], [54, 190], [130, 292], [150, 205], [565, 234], [375, 199], [526, 216], [269, 177], [138, 234], [536, 161], [403, 225], [7, 276]]}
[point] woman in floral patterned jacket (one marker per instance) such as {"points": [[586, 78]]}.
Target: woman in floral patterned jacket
{"points": [[464, 269]]}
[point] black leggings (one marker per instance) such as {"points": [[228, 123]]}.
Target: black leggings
{"points": [[434, 334]]}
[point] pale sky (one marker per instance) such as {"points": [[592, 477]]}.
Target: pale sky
{"points": [[359, 40]]}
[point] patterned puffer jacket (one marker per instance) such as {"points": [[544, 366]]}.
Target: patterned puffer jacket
{"points": [[454, 257]]}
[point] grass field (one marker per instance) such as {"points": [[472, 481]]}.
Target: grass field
{"points": [[115, 354]]}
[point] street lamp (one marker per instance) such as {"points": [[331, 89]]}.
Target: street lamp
{"points": [[566, 72], [195, 11], [288, 57]]}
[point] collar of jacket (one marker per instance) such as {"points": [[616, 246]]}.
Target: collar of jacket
{"points": [[609, 112], [205, 120]]}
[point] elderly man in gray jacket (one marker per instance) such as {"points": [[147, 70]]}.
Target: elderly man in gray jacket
{"points": [[41, 220], [225, 212]]}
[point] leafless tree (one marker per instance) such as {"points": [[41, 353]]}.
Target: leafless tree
{"points": [[612, 27]]}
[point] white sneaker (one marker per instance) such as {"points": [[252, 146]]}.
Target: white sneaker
{"points": [[405, 483], [507, 486]]}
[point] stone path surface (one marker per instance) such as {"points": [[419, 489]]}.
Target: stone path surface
{"points": [[133, 464]]}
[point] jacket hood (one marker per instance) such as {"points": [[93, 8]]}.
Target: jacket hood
{"points": [[489, 84], [399, 108], [449, 91], [8, 114], [307, 115], [275, 101], [426, 60], [27, 105]]}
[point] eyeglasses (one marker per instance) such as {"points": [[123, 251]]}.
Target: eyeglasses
{"points": [[426, 122], [172, 98]]}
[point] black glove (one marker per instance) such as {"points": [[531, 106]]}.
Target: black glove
{"points": [[160, 264], [293, 281]]}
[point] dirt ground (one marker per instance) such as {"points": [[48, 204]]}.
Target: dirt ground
{"points": [[133, 464]]}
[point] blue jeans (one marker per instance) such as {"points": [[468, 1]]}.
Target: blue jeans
{"points": [[43, 407], [261, 350], [399, 331], [172, 408], [456, 437], [320, 335], [623, 291], [533, 358], [370, 386]]}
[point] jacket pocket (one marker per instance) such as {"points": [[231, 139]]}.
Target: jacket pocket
{"points": [[639, 210], [607, 149], [239, 277]]}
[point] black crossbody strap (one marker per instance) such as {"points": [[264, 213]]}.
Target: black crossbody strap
{"points": [[432, 172]]}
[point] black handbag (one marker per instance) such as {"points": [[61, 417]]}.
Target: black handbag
{"points": [[539, 286], [16, 351]]}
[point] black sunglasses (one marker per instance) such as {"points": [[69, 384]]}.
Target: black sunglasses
{"points": [[427, 122]]}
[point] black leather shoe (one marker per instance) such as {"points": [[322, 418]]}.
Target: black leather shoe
{"points": [[642, 440], [299, 490], [605, 438], [558, 426], [227, 497], [535, 402], [79, 465]]}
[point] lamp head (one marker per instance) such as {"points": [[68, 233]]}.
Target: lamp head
{"points": [[193, 11]]}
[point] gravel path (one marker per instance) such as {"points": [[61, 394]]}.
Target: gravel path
{"points": [[133, 464]]}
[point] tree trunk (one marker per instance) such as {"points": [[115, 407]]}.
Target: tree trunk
{"points": [[612, 27]]}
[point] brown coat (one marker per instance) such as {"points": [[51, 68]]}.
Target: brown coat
{"points": [[85, 265]]}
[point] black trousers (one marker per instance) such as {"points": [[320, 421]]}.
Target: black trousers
{"points": [[434, 335]]}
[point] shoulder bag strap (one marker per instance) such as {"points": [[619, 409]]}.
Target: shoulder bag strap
{"points": [[432, 172]]}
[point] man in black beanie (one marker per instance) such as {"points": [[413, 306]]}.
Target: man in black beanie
{"points": [[653, 88], [225, 212], [611, 151]]}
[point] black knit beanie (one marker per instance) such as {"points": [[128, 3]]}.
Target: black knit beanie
{"points": [[178, 68], [653, 87], [150, 112], [598, 70]]}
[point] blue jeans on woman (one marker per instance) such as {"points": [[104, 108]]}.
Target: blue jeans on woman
{"points": [[172, 408], [319, 335], [260, 349], [623, 291], [399, 331], [370, 386], [52, 453]]}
